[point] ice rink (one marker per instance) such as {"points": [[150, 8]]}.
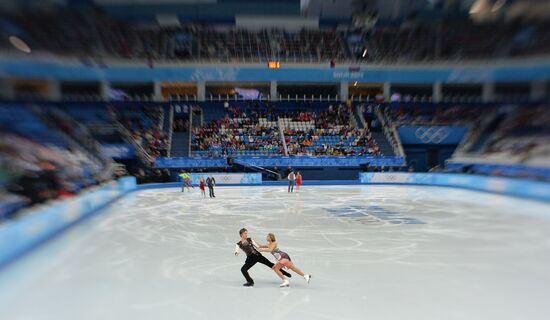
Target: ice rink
{"points": [[375, 252]]}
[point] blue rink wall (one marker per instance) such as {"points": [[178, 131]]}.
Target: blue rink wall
{"points": [[24, 233], [507, 186], [34, 228]]}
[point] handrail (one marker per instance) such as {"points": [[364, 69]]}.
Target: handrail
{"points": [[281, 131], [473, 135], [262, 169], [353, 120], [390, 133], [398, 141], [142, 154], [170, 130], [312, 98], [362, 118], [191, 128]]}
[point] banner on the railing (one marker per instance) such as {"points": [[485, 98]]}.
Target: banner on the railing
{"points": [[297, 161], [321, 161], [389, 178]]}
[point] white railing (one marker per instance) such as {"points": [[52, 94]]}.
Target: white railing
{"points": [[141, 153], [288, 97], [474, 133], [360, 112], [360, 98], [401, 151], [390, 132], [312, 98], [170, 130], [352, 119], [281, 131], [190, 130], [161, 118], [183, 97]]}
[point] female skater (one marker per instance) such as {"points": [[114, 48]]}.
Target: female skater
{"points": [[298, 180], [283, 260], [201, 186], [188, 182]]}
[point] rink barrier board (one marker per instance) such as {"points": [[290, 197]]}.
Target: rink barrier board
{"points": [[264, 183], [522, 188], [35, 228], [227, 178], [281, 161]]}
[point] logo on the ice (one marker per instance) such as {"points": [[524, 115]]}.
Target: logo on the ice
{"points": [[432, 134], [373, 214]]}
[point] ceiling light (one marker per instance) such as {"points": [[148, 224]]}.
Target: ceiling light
{"points": [[498, 4], [19, 44], [478, 6]]}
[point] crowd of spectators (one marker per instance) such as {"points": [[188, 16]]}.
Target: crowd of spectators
{"points": [[348, 142], [523, 136], [454, 39], [307, 132], [33, 173], [331, 134], [246, 45], [434, 114], [98, 36], [231, 136]]}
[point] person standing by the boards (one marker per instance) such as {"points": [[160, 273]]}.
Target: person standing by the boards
{"points": [[211, 182]]}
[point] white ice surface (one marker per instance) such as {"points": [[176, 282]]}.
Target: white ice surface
{"points": [[160, 254]]}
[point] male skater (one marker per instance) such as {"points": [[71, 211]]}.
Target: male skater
{"points": [[252, 256], [291, 178], [211, 182]]}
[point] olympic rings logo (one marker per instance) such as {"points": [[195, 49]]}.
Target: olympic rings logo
{"points": [[432, 134]]}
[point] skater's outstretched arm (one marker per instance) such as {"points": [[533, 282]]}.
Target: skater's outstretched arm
{"points": [[257, 245], [237, 249], [268, 248]]}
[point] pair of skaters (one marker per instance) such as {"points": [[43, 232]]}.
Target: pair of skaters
{"points": [[253, 255], [294, 177], [211, 182]]}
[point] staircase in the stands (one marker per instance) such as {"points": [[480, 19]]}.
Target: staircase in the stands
{"points": [[180, 144], [383, 143]]}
